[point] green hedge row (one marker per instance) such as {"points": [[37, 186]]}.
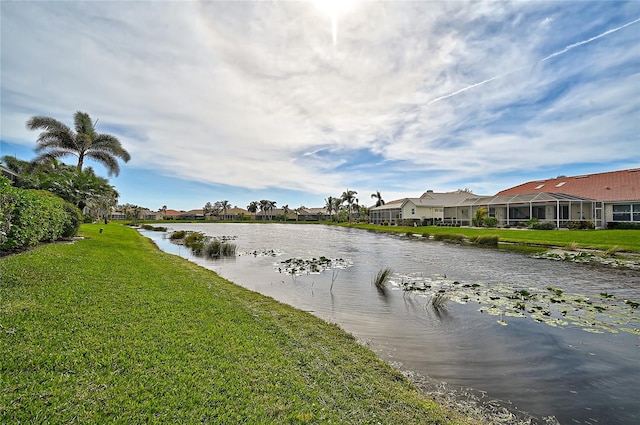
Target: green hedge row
{"points": [[31, 216]]}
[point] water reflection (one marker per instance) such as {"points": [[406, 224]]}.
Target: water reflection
{"points": [[561, 371]]}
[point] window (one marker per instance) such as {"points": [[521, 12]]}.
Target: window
{"points": [[492, 211], [636, 212], [561, 184], [540, 186], [622, 212], [539, 212], [413, 211]]}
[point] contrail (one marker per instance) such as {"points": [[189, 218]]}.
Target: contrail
{"points": [[553, 55]]}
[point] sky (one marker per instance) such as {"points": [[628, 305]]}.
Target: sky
{"points": [[296, 101]]}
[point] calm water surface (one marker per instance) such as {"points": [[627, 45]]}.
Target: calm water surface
{"points": [[565, 372]]}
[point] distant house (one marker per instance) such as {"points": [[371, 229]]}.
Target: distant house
{"points": [[313, 214], [235, 213], [603, 198], [429, 209], [191, 215]]}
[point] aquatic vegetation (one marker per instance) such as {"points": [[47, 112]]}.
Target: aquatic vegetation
{"points": [[487, 240], [439, 300], [450, 237], [611, 252], [301, 266], [262, 253], [588, 257], [202, 245], [381, 277], [552, 306], [572, 246], [154, 228]]}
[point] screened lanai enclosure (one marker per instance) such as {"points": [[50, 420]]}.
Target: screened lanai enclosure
{"points": [[513, 210]]}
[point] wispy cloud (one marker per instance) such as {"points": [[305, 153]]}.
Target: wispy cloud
{"points": [[254, 95]]}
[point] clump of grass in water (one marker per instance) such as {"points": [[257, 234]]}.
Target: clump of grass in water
{"points": [[439, 300], [381, 277], [572, 246], [487, 240], [217, 249], [611, 252]]}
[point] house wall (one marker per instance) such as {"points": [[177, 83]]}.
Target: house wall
{"points": [[411, 211]]}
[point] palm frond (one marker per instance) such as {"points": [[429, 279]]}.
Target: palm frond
{"points": [[83, 123], [111, 145], [105, 159]]}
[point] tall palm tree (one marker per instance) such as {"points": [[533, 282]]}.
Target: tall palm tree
{"points": [[378, 197], [349, 197], [329, 204], [337, 206], [57, 140], [270, 206], [224, 205], [253, 208], [286, 211]]}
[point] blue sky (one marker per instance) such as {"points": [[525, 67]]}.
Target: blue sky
{"points": [[247, 100]]}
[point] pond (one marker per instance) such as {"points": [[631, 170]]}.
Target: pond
{"points": [[553, 339]]}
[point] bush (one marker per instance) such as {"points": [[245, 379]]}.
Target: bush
{"points": [[623, 225], [580, 225], [28, 217], [75, 218], [542, 225], [491, 222]]}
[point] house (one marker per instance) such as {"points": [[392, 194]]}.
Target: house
{"points": [[603, 198], [8, 173], [313, 214], [428, 209], [191, 215]]}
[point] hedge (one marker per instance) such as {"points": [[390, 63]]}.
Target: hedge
{"points": [[28, 217]]}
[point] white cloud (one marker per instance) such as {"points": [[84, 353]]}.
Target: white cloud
{"points": [[239, 93]]}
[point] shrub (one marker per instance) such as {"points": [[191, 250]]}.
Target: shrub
{"points": [[623, 225], [480, 216], [580, 225], [491, 222], [74, 219], [542, 225], [28, 217]]}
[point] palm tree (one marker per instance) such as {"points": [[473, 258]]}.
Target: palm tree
{"points": [[379, 201], [253, 208], [337, 206], [329, 204], [286, 211], [270, 206], [57, 140], [224, 206], [349, 196]]}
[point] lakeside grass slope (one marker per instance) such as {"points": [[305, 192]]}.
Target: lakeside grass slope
{"points": [[625, 240], [110, 329]]}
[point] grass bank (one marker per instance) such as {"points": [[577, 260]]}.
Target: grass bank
{"points": [[110, 329], [625, 240]]}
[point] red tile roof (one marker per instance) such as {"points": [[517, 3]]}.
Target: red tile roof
{"points": [[621, 185]]}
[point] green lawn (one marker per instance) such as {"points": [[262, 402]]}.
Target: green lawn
{"points": [[110, 329], [626, 240]]}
